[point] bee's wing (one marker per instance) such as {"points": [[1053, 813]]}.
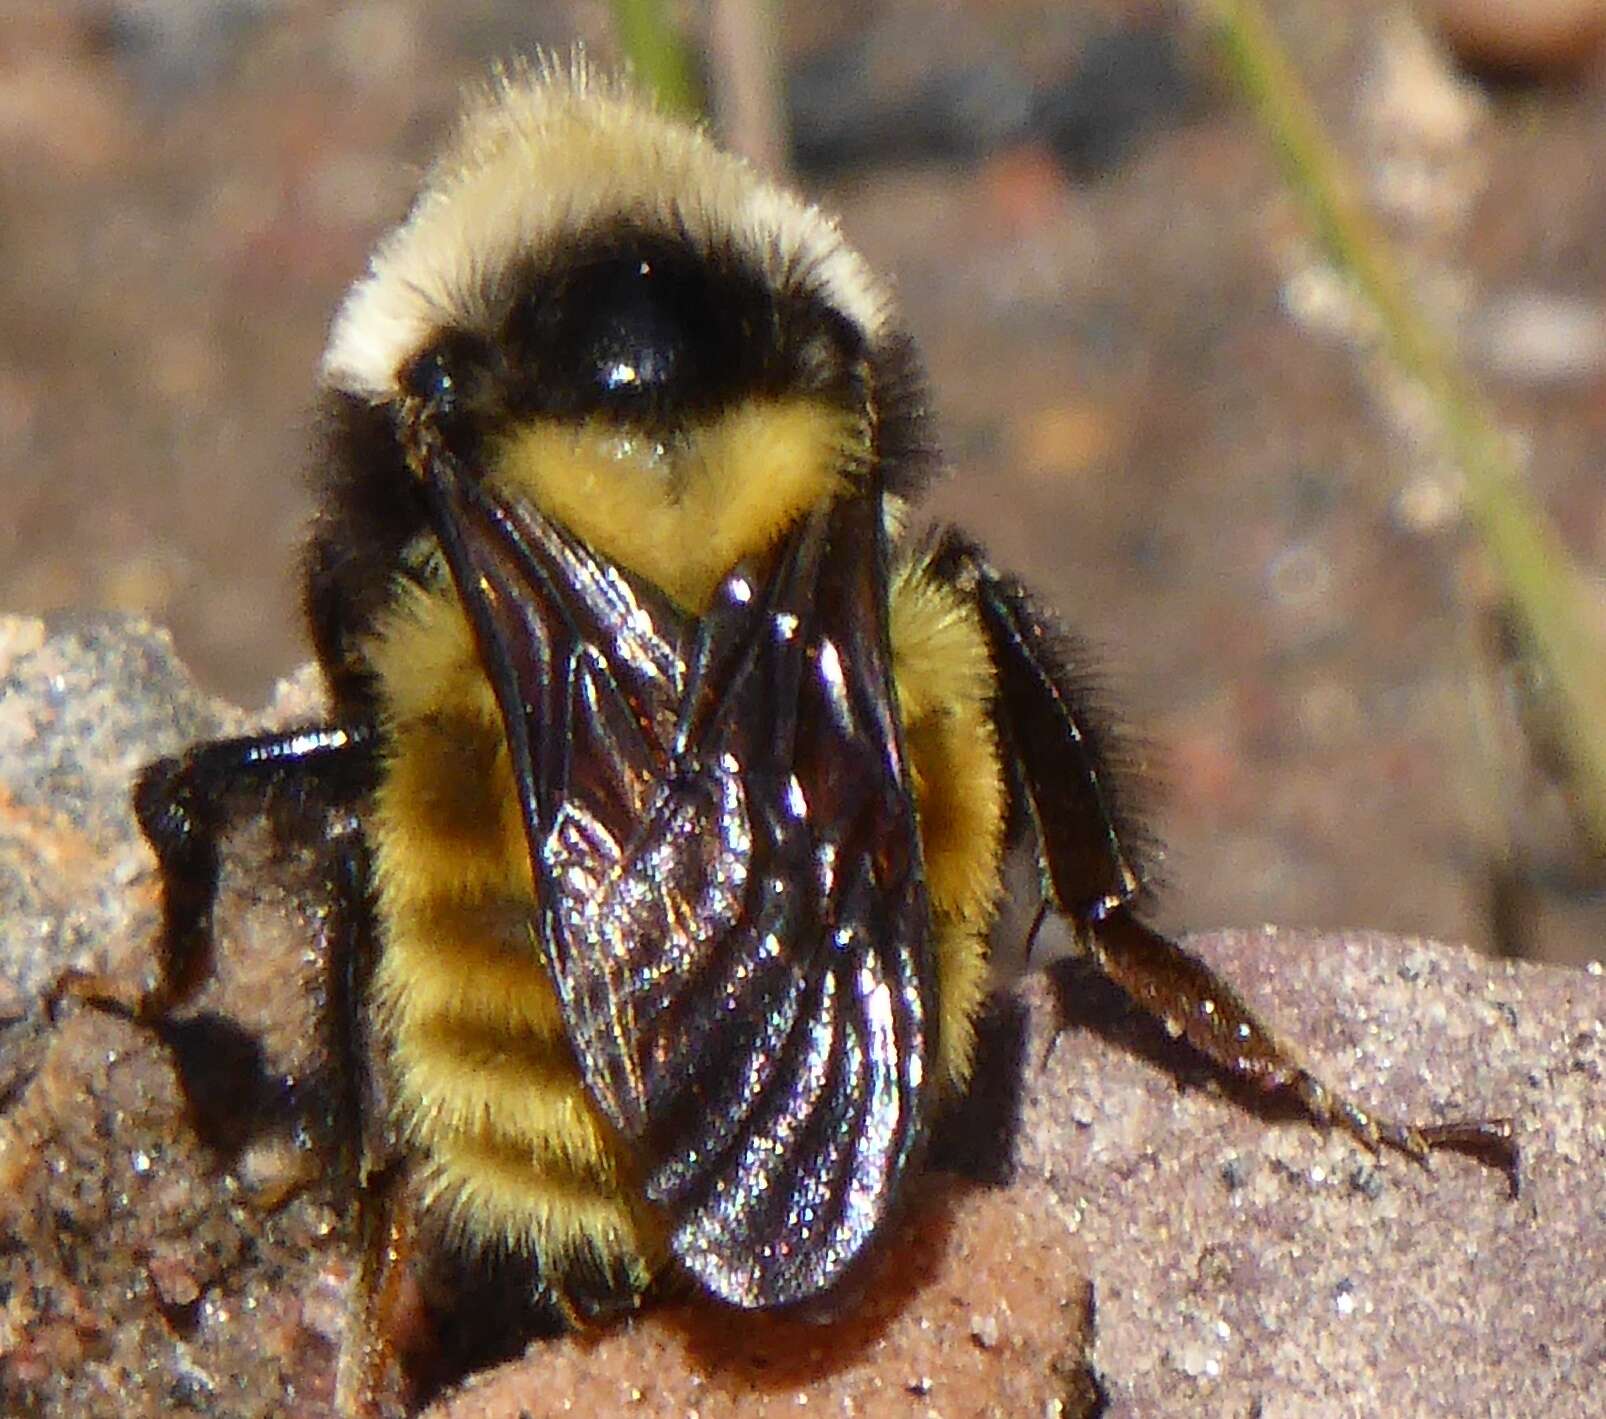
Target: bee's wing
{"points": [[733, 901]]}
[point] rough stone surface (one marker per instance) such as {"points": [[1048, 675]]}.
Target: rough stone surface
{"points": [[978, 1309], [157, 1255], [1238, 1263]]}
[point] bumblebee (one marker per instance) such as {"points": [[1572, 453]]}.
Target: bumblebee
{"points": [[671, 777]]}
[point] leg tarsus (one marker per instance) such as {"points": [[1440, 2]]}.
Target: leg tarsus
{"points": [[1491, 1141], [1196, 1004], [103, 992], [1375, 1134]]}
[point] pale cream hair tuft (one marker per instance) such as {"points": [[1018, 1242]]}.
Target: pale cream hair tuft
{"points": [[548, 151]]}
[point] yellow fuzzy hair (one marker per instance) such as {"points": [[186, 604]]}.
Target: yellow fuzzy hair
{"points": [[486, 1086], [945, 679], [682, 515]]}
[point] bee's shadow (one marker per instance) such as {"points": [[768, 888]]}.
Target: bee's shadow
{"points": [[976, 1136]]}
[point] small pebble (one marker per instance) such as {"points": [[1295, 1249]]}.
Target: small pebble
{"points": [[1532, 38], [984, 1330], [175, 1281]]}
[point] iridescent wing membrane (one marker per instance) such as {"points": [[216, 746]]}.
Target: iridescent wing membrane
{"points": [[728, 866]]}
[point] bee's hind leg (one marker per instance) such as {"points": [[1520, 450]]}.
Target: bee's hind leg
{"points": [[388, 1324], [1196, 1004], [1067, 767]]}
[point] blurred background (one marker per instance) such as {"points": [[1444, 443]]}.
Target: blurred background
{"points": [[1161, 405]]}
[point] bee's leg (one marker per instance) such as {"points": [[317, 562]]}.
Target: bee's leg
{"points": [[1066, 782], [1065, 760], [184, 806], [387, 1317], [388, 1312], [1193, 1002], [425, 1312]]}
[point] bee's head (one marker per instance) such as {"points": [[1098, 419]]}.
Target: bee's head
{"points": [[633, 328], [598, 310], [643, 333]]}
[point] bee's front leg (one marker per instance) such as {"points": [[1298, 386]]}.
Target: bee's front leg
{"points": [[185, 805]]}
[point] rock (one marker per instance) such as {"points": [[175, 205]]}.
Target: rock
{"points": [[980, 1307], [1167, 1246], [138, 1278], [1532, 38], [1239, 1261]]}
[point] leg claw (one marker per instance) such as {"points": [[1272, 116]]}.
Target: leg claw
{"points": [[1491, 1140]]}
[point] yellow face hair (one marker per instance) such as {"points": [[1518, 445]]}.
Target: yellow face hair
{"points": [[681, 512]]}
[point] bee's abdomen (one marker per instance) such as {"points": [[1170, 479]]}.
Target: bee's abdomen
{"points": [[485, 1084]]}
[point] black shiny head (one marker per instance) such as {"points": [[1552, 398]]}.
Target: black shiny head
{"points": [[640, 327], [640, 332]]}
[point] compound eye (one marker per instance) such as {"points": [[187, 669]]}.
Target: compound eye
{"points": [[448, 375], [429, 378]]}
